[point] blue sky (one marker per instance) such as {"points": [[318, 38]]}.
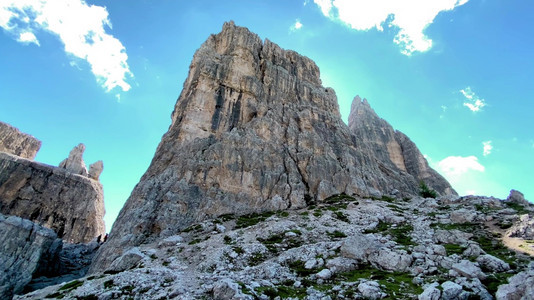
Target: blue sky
{"points": [[455, 75]]}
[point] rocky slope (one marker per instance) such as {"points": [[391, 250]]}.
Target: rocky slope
{"points": [[343, 248], [18, 143], [253, 130], [393, 147]]}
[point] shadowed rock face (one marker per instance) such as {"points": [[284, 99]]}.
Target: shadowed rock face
{"points": [[252, 130], [15, 142], [72, 205], [27, 249], [392, 147]]}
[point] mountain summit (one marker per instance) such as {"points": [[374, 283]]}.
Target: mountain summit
{"points": [[254, 130]]}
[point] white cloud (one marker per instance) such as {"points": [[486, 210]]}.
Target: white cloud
{"points": [[457, 165], [296, 26], [487, 147], [81, 28], [28, 37], [410, 16], [473, 102]]}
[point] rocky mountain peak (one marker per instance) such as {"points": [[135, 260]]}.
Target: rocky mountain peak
{"points": [[253, 130]]}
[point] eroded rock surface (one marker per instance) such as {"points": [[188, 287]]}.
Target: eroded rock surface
{"points": [[74, 163], [26, 250], [392, 147], [253, 130], [18, 143], [70, 204]]}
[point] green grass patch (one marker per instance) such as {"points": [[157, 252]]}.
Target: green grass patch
{"points": [[298, 267], [196, 227], [387, 199], [341, 216], [282, 291], [71, 285], [227, 240], [55, 296], [454, 249], [257, 258], [520, 209], [493, 281], [252, 219], [109, 284], [397, 285], [336, 234], [339, 198]]}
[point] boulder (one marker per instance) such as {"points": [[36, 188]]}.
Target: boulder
{"points": [[451, 290], [520, 286], [371, 290], [430, 293], [468, 269], [492, 263], [518, 198]]}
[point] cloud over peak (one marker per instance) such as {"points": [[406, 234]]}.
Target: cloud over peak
{"points": [[81, 28], [410, 16]]}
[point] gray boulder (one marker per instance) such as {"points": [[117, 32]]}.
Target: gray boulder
{"points": [[492, 263]]}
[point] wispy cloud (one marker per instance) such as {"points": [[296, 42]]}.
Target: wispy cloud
{"points": [[298, 25], [410, 16], [487, 148], [81, 28], [458, 165], [472, 101]]}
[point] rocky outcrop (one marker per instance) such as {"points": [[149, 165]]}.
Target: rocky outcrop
{"points": [[15, 142], [253, 130], [74, 163], [70, 204], [27, 250], [392, 147]]}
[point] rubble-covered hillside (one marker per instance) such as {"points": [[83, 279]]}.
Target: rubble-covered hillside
{"points": [[345, 248]]}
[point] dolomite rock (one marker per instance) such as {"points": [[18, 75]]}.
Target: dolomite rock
{"points": [[520, 286], [74, 163], [392, 147], [27, 249], [517, 197], [253, 130], [96, 169], [523, 228], [18, 143], [70, 204]]}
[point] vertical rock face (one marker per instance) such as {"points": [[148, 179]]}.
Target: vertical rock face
{"points": [[27, 249], [393, 147], [15, 142], [72, 205], [252, 130]]}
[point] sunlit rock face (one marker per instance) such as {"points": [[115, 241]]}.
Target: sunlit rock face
{"points": [[253, 130], [67, 199], [392, 147], [18, 143]]}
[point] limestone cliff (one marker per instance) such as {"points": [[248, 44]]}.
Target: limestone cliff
{"points": [[70, 204], [15, 142], [253, 130], [393, 147]]}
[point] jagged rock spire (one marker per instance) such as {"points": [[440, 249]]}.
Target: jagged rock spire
{"points": [[252, 130]]}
